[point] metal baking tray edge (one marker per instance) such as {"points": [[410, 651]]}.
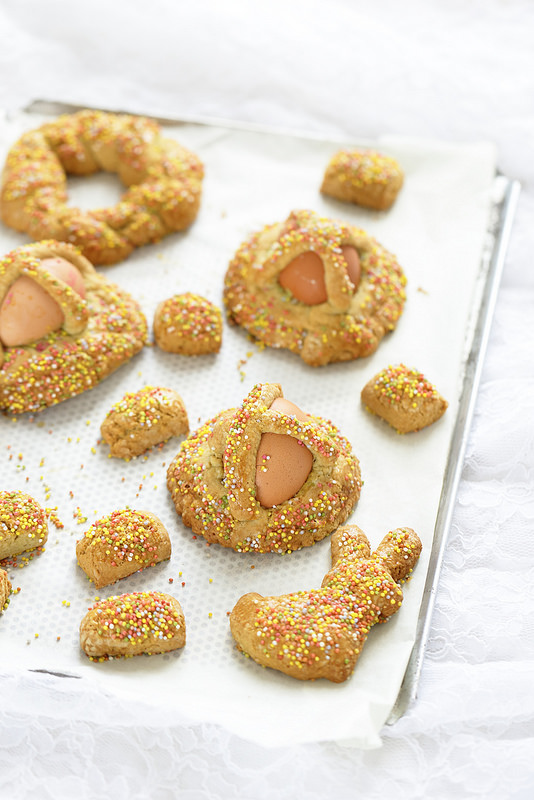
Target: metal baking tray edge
{"points": [[505, 195]]}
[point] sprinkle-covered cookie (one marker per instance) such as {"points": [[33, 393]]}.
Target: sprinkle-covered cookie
{"points": [[164, 183], [319, 287], [143, 419], [188, 324], [132, 624], [319, 633], [5, 590], [404, 398], [120, 544], [23, 524], [221, 485], [363, 177], [100, 327]]}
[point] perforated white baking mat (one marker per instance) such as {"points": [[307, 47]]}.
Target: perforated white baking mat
{"points": [[437, 230]]}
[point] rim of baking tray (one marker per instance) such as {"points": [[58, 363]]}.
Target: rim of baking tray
{"points": [[504, 199]]}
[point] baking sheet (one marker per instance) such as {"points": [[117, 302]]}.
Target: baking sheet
{"points": [[438, 230]]}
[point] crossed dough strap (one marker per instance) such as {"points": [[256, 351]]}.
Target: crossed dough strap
{"points": [[165, 182], [212, 479], [349, 324], [98, 334], [320, 633]]}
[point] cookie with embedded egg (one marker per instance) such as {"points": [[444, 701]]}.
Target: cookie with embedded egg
{"points": [[265, 477], [63, 327], [321, 288]]}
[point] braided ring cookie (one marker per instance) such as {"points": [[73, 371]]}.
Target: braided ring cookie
{"points": [[318, 287], [320, 633], [265, 477], [164, 181], [92, 335]]}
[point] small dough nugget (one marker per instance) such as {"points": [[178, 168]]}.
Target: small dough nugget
{"points": [[404, 397], [120, 544], [188, 324], [144, 419], [5, 590], [363, 177], [132, 624], [23, 524]]}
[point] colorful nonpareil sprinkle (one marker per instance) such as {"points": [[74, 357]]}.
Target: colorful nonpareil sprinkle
{"points": [[398, 382]]}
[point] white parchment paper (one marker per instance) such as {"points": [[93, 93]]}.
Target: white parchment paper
{"points": [[436, 229]]}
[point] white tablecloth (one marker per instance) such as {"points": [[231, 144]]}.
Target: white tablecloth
{"points": [[458, 71]]}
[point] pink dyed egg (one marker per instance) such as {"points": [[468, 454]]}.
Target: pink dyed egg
{"points": [[282, 463], [28, 312], [304, 278]]}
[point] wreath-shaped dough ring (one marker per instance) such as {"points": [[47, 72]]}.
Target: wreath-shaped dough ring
{"points": [[165, 181], [212, 479], [349, 324], [98, 334]]}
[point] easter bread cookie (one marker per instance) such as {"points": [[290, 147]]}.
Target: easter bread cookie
{"points": [[120, 544], [265, 477], [404, 398], [318, 287], [99, 326], [5, 590], [188, 324], [363, 177], [164, 181], [320, 633], [23, 524], [143, 419], [132, 624]]}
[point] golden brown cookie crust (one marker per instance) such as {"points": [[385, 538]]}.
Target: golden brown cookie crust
{"points": [[188, 324], [23, 524], [212, 479], [99, 333], [404, 398], [349, 325], [164, 181], [144, 419], [5, 590], [320, 633], [120, 544], [133, 624], [363, 177]]}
